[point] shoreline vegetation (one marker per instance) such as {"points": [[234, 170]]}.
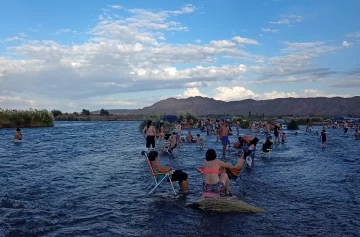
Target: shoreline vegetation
{"points": [[26, 118], [45, 118]]}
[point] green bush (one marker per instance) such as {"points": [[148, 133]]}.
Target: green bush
{"points": [[244, 124], [293, 125], [26, 118]]}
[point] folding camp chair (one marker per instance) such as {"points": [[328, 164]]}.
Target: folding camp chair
{"points": [[158, 177]]}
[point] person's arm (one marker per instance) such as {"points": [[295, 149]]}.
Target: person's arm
{"points": [[154, 132], [240, 163], [224, 165], [161, 168], [144, 131]]}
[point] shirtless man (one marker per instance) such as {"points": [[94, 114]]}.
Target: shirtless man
{"points": [[150, 132], [224, 133], [346, 127]]}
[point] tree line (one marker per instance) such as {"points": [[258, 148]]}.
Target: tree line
{"points": [[84, 112]]}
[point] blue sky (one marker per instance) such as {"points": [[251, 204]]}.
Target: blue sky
{"points": [[129, 54]]}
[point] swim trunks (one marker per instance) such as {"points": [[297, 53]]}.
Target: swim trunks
{"points": [[345, 130], [224, 140], [150, 140], [214, 188]]}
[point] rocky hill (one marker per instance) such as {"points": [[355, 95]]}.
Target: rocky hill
{"points": [[277, 107]]}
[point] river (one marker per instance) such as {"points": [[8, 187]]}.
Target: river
{"points": [[88, 179]]}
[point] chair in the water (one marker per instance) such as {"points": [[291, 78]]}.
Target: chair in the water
{"points": [[158, 177]]}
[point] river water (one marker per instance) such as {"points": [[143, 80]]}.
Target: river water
{"points": [[88, 179]]}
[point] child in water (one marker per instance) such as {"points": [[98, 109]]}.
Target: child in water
{"points": [[283, 138], [18, 134], [323, 138], [200, 141]]}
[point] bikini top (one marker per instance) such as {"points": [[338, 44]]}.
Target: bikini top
{"points": [[206, 171]]}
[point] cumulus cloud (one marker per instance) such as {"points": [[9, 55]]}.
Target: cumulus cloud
{"points": [[241, 93], [240, 40], [132, 54], [345, 44], [191, 92]]}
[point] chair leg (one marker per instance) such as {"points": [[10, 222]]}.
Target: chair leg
{"points": [[157, 184], [150, 185], [172, 186]]}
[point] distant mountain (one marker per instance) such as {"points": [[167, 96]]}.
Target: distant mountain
{"points": [[277, 107]]}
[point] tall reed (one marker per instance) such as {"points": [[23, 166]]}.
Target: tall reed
{"points": [[25, 118]]}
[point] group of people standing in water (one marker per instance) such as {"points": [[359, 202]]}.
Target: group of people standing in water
{"points": [[216, 173]]}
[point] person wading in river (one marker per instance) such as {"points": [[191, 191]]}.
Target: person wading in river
{"points": [[150, 132], [224, 133]]}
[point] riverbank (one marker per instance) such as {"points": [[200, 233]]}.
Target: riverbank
{"points": [[26, 118]]}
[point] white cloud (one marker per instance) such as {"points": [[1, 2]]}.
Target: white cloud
{"points": [[190, 92], [283, 21], [16, 38], [222, 43], [345, 44], [126, 55], [62, 31], [8, 102], [241, 93], [354, 35], [296, 46], [117, 7], [240, 40], [288, 19], [294, 17], [269, 30]]}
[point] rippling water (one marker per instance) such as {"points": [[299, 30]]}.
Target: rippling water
{"points": [[88, 179]]}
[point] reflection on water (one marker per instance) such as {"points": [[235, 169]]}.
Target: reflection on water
{"points": [[88, 179]]}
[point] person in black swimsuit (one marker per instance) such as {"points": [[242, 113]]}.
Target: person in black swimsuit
{"points": [[323, 138]]}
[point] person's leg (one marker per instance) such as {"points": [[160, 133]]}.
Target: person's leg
{"points": [[184, 185], [225, 180], [148, 143], [182, 178]]}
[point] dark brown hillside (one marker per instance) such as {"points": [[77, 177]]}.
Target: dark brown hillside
{"points": [[277, 107]]}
